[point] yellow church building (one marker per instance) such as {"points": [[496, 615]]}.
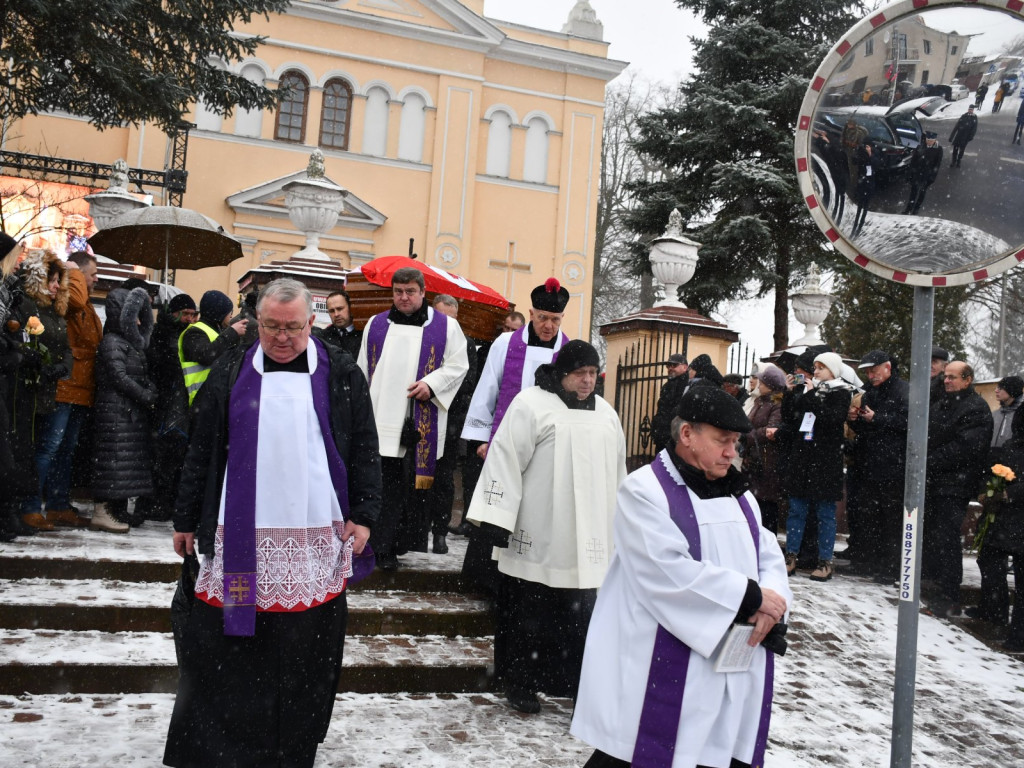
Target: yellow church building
{"points": [[478, 140]]}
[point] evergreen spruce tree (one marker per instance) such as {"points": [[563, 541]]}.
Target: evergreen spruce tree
{"points": [[729, 151], [871, 313], [127, 61]]}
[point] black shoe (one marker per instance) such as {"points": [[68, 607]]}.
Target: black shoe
{"points": [[979, 613], [1013, 646], [523, 700], [387, 562], [462, 529], [440, 545]]}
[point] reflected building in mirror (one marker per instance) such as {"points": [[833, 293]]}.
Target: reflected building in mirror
{"points": [[919, 59]]}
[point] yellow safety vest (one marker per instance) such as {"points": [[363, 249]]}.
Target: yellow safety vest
{"points": [[195, 374]]}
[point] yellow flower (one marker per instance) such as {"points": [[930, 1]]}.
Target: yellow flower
{"points": [[1004, 472], [34, 327]]}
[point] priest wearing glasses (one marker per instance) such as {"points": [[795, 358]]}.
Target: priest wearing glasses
{"points": [[280, 487], [679, 661]]}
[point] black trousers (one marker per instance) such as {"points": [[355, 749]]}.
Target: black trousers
{"points": [[995, 594], [875, 511], [600, 760], [256, 702], [404, 515], [540, 635], [942, 561], [958, 152], [442, 494]]}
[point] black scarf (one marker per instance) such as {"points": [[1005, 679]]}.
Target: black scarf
{"points": [[547, 379], [419, 317], [734, 483]]}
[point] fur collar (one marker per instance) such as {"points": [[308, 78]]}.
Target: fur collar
{"points": [[33, 275], [123, 309]]}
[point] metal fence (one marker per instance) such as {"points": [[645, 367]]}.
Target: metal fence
{"points": [[640, 376]]}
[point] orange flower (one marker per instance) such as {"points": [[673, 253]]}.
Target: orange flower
{"points": [[34, 326], [1004, 472]]}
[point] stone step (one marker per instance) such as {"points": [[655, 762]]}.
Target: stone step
{"points": [[145, 555], [118, 606], [55, 661]]}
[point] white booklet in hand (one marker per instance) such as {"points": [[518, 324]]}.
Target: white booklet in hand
{"points": [[735, 653]]}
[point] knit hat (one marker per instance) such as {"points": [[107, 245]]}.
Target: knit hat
{"points": [[703, 368], [180, 302], [833, 362], [550, 297], [1012, 385], [772, 376], [214, 307], [575, 354], [714, 406], [7, 244]]}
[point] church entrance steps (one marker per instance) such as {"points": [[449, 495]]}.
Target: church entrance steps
{"points": [[55, 661], [119, 606], [84, 612]]}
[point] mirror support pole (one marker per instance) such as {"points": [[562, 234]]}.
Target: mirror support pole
{"points": [[911, 535]]}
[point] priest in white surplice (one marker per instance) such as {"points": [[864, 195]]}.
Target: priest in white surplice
{"points": [[513, 360], [511, 363], [693, 570], [415, 360], [545, 498], [279, 489]]}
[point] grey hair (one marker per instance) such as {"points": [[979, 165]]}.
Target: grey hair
{"points": [[285, 290], [444, 298], [677, 424]]}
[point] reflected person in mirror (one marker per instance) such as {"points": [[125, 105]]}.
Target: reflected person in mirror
{"points": [[962, 135], [864, 158], [924, 169]]}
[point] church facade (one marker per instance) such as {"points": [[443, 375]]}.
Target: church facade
{"points": [[475, 141]]}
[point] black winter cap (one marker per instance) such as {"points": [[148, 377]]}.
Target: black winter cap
{"points": [[1012, 385], [714, 406], [575, 354]]}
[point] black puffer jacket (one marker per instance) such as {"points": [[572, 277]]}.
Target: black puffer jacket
{"points": [[122, 451], [815, 466], [959, 430], [352, 424]]}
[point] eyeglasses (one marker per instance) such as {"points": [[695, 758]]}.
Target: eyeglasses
{"points": [[954, 376], [288, 330]]}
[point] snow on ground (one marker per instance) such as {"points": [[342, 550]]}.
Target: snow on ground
{"points": [[832, 705]]}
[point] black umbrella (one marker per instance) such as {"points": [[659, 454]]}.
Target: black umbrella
{"points": [[165, 237]]}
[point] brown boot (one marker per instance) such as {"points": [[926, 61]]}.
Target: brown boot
{"points": [[790, 563], [67, 517], [37, 521], [823, 572]]}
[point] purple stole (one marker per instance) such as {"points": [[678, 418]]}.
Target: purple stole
{"points": [[240, 484], [512, 374], [432, 348], [663, 702]]}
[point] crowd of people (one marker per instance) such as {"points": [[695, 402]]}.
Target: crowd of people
{"points": [[821, 434], [292, 460]]}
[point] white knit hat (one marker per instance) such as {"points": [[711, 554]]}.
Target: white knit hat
{"points": [[833, 362]]}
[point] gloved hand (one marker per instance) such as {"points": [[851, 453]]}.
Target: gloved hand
{"points": [[495, 535]]}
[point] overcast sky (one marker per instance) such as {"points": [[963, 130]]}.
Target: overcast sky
{"points": [[650, 34]]}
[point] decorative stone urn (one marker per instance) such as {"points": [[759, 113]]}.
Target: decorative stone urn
{"points": [[314, 204], [673, 260], [104, 207], [810, 307]]}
